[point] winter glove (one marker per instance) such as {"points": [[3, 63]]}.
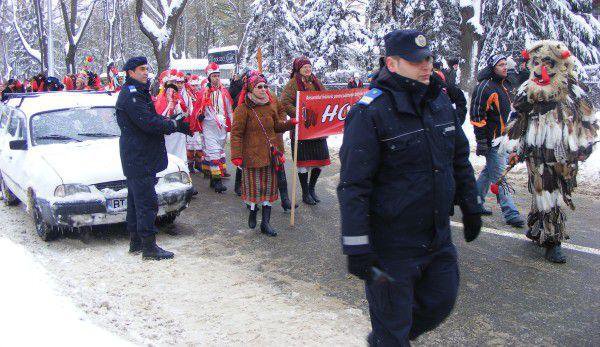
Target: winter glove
{"points": [[545, 106], [183, 127], [237, 161], [360, 265], [482, 147], [472, 226]]}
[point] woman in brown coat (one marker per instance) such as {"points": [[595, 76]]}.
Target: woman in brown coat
{"points": [[312, 154], [254, 148]]}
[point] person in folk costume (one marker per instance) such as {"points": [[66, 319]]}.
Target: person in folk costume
{"points": [[194, 144], [257, 119], [112, 74], [37, 82], [312, 154], [555, 129], [69, 82], [216, 106], [80, 81], [169, 104]]}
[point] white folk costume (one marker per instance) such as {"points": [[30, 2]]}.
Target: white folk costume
{"points": [[194, 143], [554, 131], [217, 108], [175, 142]]}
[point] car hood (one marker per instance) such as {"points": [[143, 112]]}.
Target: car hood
{"points": [[90, 162]]}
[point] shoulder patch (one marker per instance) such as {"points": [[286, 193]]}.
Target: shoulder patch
{"points": [[132, 89], [370, 96]]}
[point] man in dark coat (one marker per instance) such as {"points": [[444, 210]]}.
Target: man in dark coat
{"points": [[490, 110], [143, 155], [404, 159]]}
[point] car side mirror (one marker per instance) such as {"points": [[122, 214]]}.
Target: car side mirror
{"points": [[18, 145]]}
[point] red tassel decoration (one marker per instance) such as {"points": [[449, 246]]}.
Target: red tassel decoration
{"points": [[525, 54], [494, 189], [565, 54]]}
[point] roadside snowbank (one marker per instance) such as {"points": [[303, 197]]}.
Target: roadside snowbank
{"points": [[34, 313]]}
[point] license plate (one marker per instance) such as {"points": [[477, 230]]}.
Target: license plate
{"points": [[116, 205]]}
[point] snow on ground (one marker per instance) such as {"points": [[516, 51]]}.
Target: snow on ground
{"points": [[207, 295], [33, 310]]}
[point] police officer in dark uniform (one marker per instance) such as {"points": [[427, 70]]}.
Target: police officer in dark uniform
{"points": [[143, 155], [404, 159]]}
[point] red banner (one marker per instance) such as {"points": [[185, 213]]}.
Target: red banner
{"points": [[323, 113]]}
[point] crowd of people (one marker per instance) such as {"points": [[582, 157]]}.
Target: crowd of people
{"points": [[404, 159]]}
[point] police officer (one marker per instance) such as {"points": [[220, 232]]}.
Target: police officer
{"points": [[404, 158], [143, 155]]}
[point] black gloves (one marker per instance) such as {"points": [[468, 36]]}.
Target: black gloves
{"points": [[545, 106], [482, 147], [201, 117], [472, 225], [183, 127], [360, 265]]}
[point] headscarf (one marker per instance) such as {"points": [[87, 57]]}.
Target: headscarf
{"points": [[296, 66]]}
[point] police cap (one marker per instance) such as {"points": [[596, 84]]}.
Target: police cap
{"points": [[408, 44], [134, 62]]}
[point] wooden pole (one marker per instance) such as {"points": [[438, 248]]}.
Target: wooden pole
{"points": [[295, 166], [259, 59]]}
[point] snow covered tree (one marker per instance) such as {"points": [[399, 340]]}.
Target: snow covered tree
{"points": [[438, 19], [158, 21], [74, 30], [332, 32], [274, 28], [512, 26], [33, 38]]}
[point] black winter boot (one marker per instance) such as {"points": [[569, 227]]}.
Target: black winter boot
{"points": [[252, 217], [265, 226], [150, 251], [286, 204], [554, 254], [218, 185], [238, 182], [135, 243], [314, 176], [306, 197]]}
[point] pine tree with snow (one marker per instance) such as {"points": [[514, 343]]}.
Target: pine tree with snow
{"points": [[511, 26], [275, 28], [438, 19], [332, 32]]}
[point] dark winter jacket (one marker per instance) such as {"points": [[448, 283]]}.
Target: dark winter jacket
{"points": [[450, 76], [456, 95], [490, 105], [404, 158], [142, 142], [235, 88]]}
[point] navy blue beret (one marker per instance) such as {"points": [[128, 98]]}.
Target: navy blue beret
{"points": [[134, 62], [408, 44]]}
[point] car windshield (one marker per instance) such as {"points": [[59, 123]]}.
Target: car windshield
{"points": [[74, 125]]}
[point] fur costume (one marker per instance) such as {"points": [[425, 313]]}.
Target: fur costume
{"points": [[554, 131]]}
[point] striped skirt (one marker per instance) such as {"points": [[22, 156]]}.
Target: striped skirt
{"points": [[312, 153], [259, 185]]}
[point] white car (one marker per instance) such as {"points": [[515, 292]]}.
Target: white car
{"points": [[59, 155]]}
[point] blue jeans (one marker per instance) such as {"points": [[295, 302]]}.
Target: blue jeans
{"points": [[494, 167]]}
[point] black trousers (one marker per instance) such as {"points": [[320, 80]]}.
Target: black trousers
{"points": [[422, 296], [142, 206]]}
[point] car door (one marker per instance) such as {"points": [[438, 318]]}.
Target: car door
{"points": [[12, 162]]}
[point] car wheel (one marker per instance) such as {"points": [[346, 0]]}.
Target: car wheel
{"points": [[45, 231], [8, 197]]}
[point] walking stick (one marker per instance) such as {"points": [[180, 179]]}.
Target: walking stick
{"points": [[295, 167]]}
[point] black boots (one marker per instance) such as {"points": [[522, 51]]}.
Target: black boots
{"points": [[554, 254], [286, 204], [314, 176], [217, 185], [265, 226], [150, 251], [238, 182], [252, 217], [135, 243], [306, 196]]}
